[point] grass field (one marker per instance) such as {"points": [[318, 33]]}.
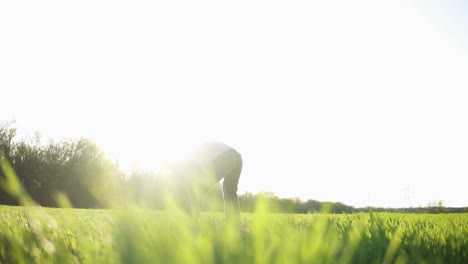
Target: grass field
{"points": [[45, 235]]}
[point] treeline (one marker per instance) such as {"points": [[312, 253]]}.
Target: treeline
{"points": [[81, 171], [77, 168], [295, 205], [291, 205], [430, 209]]}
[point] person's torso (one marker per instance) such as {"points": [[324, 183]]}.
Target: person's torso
{"points": [[210, 151]]}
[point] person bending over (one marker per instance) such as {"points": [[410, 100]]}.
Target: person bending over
{"points": [[198, 173]]}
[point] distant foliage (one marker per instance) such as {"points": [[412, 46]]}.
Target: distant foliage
{"points": [[77, 168], [291, 205]]}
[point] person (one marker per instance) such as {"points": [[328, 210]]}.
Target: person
{"points": [[199, 172]]}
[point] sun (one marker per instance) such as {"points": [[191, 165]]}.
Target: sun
{"points": [[147, 153]]}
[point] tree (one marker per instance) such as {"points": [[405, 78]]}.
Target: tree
{"points": [[7, 134], [77, 168]]}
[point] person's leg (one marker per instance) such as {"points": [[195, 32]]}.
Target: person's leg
{"points": [[227, 166], [230, 185]]}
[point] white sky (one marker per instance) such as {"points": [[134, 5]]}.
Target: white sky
{"points": [[363, 102]]}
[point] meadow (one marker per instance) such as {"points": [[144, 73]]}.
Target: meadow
{"points": [[133, 235]]}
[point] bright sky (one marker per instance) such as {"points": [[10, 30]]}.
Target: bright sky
{"points": [[364, 103]]}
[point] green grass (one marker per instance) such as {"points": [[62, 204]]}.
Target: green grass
{"points": [[46, 235]]}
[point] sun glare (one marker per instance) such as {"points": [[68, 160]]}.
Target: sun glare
{"points": [[148, 154]]}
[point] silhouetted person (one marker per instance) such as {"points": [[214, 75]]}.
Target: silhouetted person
{"points": [[198, 173]]}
